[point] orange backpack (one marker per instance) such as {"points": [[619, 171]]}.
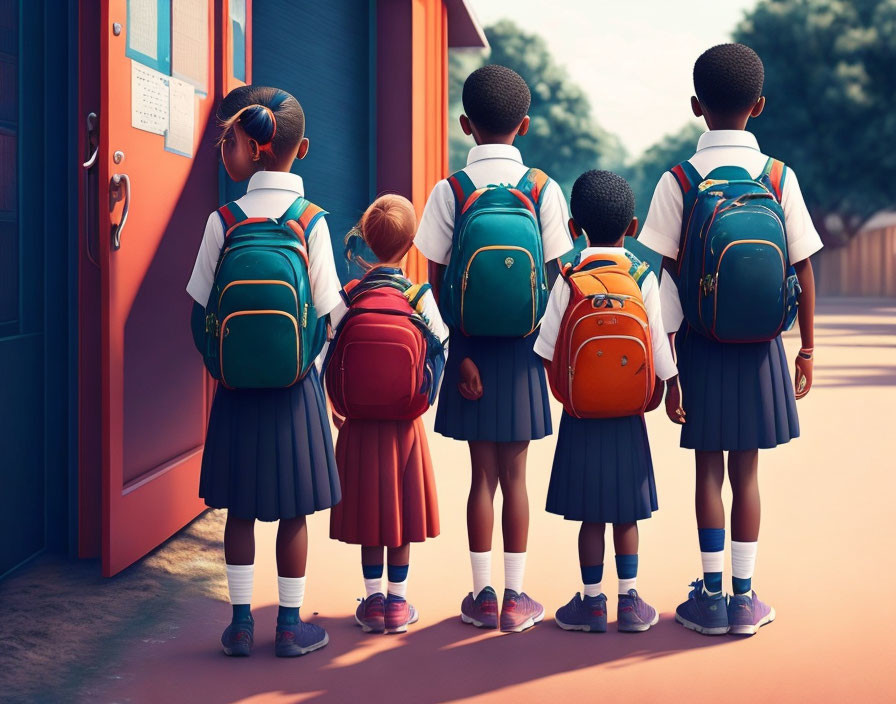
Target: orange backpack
{"points": [[603, 359]]}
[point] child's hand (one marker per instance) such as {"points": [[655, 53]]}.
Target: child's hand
{"points": [[673, 402], [802, 380], [470, 385], [658, 387]]}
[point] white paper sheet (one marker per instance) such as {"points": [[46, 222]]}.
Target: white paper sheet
{"points": [[189, 42], [143, 26], [149, 99], [181, 117]]}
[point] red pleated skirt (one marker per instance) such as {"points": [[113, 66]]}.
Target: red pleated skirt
{"points": [[388, 486]]}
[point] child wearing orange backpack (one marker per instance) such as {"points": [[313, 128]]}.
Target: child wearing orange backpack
{"points": [[602, 341], [382, 373]]}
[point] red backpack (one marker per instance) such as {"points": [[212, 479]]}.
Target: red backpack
{"points": [[381, 362]]}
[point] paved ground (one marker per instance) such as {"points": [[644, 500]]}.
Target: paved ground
{"points": [[825, 562]]}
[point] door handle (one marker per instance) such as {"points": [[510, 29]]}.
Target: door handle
{"points": [[119, 182]]}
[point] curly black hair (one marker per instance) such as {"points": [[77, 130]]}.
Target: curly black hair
{"points": [[728, 78], [496, 99], [603, 205]]}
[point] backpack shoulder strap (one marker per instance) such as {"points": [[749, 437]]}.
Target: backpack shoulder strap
{"points": [[773, 176], [415, 294], [463, 188], [231, 214], [301, 217], [638, 269], [533, 183], [686, 176]]}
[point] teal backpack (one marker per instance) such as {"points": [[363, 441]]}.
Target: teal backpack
{"points": [[494, 285], [261, 328], [733, 273]]}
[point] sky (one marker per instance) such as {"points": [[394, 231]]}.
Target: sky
{"points": [[633, 58]]}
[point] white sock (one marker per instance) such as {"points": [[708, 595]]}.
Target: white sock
{"points": [[398, 588], [712, 562], [292, 591], [372, 586], [239, 583], [743, 559], [514, 568], [482, 570], [593, 589], [626, 584]]}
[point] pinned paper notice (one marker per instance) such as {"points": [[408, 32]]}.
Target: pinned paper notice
{"points": [[189, 49], [149, 99], [181, 118]]}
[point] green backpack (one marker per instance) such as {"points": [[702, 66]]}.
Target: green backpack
{"points": [[495, 283], [261, 328]]}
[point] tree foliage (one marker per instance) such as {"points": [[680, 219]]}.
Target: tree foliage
{"points": [[830, 79], [564, 139]]}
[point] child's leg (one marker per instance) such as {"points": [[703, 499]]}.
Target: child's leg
{"points": [[710, 517], [481, 511], [372, 567], [743, 471], [239, 556], [591, 556], [625, 540], [515, 513], [399, 560], [292, 554]]}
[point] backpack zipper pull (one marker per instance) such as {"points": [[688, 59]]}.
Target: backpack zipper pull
{"points": [[305, 316]]}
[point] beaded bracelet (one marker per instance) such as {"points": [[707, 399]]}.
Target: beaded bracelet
{"points": [[806, 352]]}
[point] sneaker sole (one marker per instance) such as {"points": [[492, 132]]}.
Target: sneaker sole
{"points": [[479, 624], [239, 652], [366, 628], [295, 651], [638, 627], [750, 629], [714, 631], [525, 625], [585, 628], [404, 626]]}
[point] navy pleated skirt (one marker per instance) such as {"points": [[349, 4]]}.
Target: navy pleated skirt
{"points": [[515, 404], [269, 452], [736, 396], [602, 471]]}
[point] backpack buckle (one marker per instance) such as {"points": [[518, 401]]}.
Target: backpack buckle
{"points": [[708, 284]]}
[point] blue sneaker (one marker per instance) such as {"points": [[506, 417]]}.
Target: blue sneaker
{"points": [[238, 637], [634, 614], [294, 639], [747, 613], [588, 614], [702, 612]]}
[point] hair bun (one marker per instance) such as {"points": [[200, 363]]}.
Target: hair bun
{"points": [[259, 123]]}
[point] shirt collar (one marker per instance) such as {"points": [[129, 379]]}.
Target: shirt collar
{"points": [[727, 138], [494, 151], [277, 180], [588, 251]]}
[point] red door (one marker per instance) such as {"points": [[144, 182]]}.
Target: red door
{"points": [[153, 208]]}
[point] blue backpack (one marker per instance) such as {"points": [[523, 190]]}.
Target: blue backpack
{"points": [[733, 272], [494, 285]]}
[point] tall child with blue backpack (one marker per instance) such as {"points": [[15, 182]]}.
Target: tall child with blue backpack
{"points": [[731, 222], [735, 235]]}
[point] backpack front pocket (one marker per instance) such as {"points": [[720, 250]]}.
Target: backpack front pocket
{"points": [[498, 292], [378, 375], [260, 349], [608, 377]]}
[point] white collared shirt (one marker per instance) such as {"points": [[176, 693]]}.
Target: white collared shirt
{"points": [[663, 362], [269, 194], [662, 229], [488, 164]]}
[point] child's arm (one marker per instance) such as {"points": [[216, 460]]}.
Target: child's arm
{"points": [[553, 217], [436, 232], [197, 327], [436, 273], [806, 314]]}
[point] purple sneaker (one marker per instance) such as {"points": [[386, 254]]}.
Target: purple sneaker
{"points": [[238, 637], [588, 614], [702, 612], [747, 614], [371, 612], [482, 611], [634, 614], [294, 639], [399, 614], [519, 612]]}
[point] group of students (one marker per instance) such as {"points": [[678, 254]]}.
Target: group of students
{"points": [[607, 332]]}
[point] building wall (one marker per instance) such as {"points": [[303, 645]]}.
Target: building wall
{"points": [[864, 267]]}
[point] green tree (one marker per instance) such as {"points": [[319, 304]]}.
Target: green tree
{"points": [[830, 78], [564, 139]]}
